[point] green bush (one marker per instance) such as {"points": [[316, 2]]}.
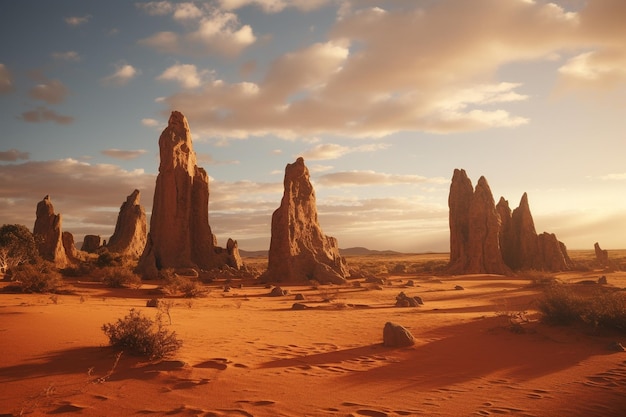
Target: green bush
{"points": [[118, 277], [40, 277], [142, 336]]}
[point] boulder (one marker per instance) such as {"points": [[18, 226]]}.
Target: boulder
{"points": [[299, 250], [403, 300], [395, 335], [602, 256], [48, 234], [129, 237], [180, 235]]}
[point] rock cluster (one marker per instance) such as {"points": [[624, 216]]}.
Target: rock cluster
{"points": [[70, 248], [489, 238], [180, 235], [474, 228], [91, 243], [48, 234], [299, 251], [129, 237]]}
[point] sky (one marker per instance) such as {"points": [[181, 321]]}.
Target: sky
{"points": [[383, 99]]}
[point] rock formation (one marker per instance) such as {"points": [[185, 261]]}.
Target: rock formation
{"points": [[129, 237], [91, 243], [299, 251], [474, 228], [523, 248], [48, 233], [487, 239], [180, 235], [602, 256], [70, 248]]}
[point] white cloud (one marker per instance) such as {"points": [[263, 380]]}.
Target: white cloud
{"points": [[326, 151], [13, 155], [339, 179], [156, 8], [77, 20], [614, 177], [52, 92], [377, 75], [123, 154], [66, 56], [44, 114], [214, 31], [274, 6], [6, 80], [150, 122], [122, 75], [186, 75]]}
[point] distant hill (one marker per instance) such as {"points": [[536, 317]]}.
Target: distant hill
{"points": [[253, 253], [356, 251], [359, 250]]}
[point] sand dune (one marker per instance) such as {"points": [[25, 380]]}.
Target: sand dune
{"points": [[248, 354]]}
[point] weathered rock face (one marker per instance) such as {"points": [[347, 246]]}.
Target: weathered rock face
{"points": [[507, 244], [48, 232], [129, 237], [527, 250], [459, 200], [70, 248], [91, 243], [475, 225], [180, 235], [299, 251], [602, 256]]}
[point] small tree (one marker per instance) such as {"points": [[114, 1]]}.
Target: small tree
{"points": [[17, 246]]}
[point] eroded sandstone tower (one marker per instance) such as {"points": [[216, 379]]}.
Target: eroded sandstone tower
{"points": [[180, 235], [299, 251]]}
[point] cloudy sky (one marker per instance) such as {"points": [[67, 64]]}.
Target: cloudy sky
{"points": [[383, 99]]}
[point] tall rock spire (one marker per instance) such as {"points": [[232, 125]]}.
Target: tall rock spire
{"points": [[299, 251], [180, 235]]}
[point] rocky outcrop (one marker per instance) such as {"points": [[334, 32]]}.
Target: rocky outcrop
{"points": [[180, 235], [602, 256], [474, 228], [70, 248], [523, 248], [48, 233], [299, 251], [91, 243], [129, 237], [487, 239], [459, 200]]}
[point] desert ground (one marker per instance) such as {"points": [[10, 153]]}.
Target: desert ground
{"points": [[480, 350]]}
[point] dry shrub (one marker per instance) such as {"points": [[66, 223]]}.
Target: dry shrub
{"points": [[179, 284], [40, 277], [118, 277], [602, 308], [142, 336]]}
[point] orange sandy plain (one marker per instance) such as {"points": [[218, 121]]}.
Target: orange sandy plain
{"points": [[247, 354]]}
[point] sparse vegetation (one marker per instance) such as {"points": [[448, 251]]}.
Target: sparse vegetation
{"points": [[176, 284], [142, 335], [40, 277], [118, 277], [602, 307]]}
